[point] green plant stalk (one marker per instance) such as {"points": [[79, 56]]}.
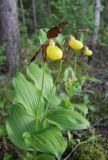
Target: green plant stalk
{"points": [[43, 77], [75, 64], [58, 75]]}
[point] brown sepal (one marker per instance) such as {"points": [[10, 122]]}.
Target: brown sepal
{"points": [[44, 54], [82, 51], [53, 32], [80, 30], [34, 57], [62, 24], [83, 30]]}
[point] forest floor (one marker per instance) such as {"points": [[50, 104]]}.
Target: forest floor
{"points": [[100, 118], [100, 71]]}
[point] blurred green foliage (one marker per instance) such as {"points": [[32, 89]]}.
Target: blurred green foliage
{"points": [[80, 14], [2, 57], [50, 13]]}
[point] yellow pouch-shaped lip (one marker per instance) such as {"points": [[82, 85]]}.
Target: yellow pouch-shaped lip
{"points": [[75, 44], [53, 52], [87, 51]]}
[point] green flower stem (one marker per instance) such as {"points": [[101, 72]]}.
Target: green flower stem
{"points": [[60, 68], [43, 77], [75, 64], [58, 75]]}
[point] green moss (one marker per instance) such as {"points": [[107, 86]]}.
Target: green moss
{"points": [[88, 152]]}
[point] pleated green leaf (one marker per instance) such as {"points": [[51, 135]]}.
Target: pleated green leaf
{"points": [[21, 129], [81, 106], [27, 95], [49, 140], [19, 121], [45, 157], [68, 120], [36, 74]]}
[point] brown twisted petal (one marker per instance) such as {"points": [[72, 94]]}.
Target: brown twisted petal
{"points": [[53, 32], [62, 24], [83, 30], [34, 57], [44, 51]]}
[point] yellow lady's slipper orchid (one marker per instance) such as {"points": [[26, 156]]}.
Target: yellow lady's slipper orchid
{"points": [[75, 44], [53, 52], [87, 51]]}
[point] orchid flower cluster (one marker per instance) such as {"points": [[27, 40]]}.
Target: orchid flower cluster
{"points": [[51, 51]]}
